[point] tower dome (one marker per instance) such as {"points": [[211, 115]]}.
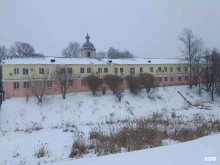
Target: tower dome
{"points": [[88, 49], [88, 44]]}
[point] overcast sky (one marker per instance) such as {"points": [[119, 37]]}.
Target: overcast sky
{"points": [[148, 28]]}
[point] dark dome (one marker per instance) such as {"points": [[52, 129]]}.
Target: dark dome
{"points": [[88, 44]]}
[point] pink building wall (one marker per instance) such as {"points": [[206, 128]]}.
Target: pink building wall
{"points": [[10, 92]]}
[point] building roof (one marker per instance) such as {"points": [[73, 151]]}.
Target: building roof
{"points": [[87, 44], [86, 61]]}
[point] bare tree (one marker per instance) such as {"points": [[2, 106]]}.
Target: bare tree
{"points": [[134, 84], [93, 83], [38, 84], [3, 52], [114, 53], [212, 73], [63, 77], [72, 50], [114, 82], [191, 46], [148, 81], [101, 55], [126, 54], [21, 49]]}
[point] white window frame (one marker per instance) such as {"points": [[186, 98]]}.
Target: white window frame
{"points": [[16, 85], [49, 84], [16, 70], [26, 85], [41, 70], [132, 71], [49, 70], [24, 71]]}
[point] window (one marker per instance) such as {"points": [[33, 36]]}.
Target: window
{"points": [[16, 70], [62, 70], [116, 70], [179, 69], [100, 70], [151, 69], [141, 69], [160, 79], [171, 78], [24, 70], [70, 70], [121, 70], [49, 84], [49, 70], [186, 69], [41, 70], [88, 70], [88, 54], [179, 78], [41, 84], [82, 70], [106, 70], [70, 83], [82, 82], [171, 69], [132, 71], [159, 69], [26, 85], [186, 77], [165, 69], [16, 85], [165, 78]]}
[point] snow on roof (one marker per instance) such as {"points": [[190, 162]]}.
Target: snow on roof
{"points": [[86, 61]]}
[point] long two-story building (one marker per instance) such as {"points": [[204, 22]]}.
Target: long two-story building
{"points": [[15, 70]]}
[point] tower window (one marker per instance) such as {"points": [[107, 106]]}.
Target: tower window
{"points": [[88, 54]]}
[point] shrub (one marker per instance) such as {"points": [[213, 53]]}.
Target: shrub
{"points": [[119, 94], [114, 82], [79, 148], [42, 151], [93, 83], [148, 81], [134, 84]]}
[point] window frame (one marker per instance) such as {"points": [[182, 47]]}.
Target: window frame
{"points": [[105, 69], [16, 71], [141, 69], [151, 69], [26, 85], [70, 84], [16, 85], [41, 70], [99, 70], [132, 71], [82, 70], [49, 84], [24, 71], [89, 70]]}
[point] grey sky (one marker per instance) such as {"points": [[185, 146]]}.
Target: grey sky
{"points": [[148, 28]]}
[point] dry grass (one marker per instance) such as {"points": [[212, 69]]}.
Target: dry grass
{"points": [[42, 151], [130, 135]]}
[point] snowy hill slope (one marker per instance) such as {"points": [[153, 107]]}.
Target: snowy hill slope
{"points": [[188, 153], [24, 126]]}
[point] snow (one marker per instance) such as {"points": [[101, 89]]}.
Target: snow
{"points": [[86, 61], [188, 153], [85, 111]]}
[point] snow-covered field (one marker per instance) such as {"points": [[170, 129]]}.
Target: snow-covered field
{"points": [[25, 126]]}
